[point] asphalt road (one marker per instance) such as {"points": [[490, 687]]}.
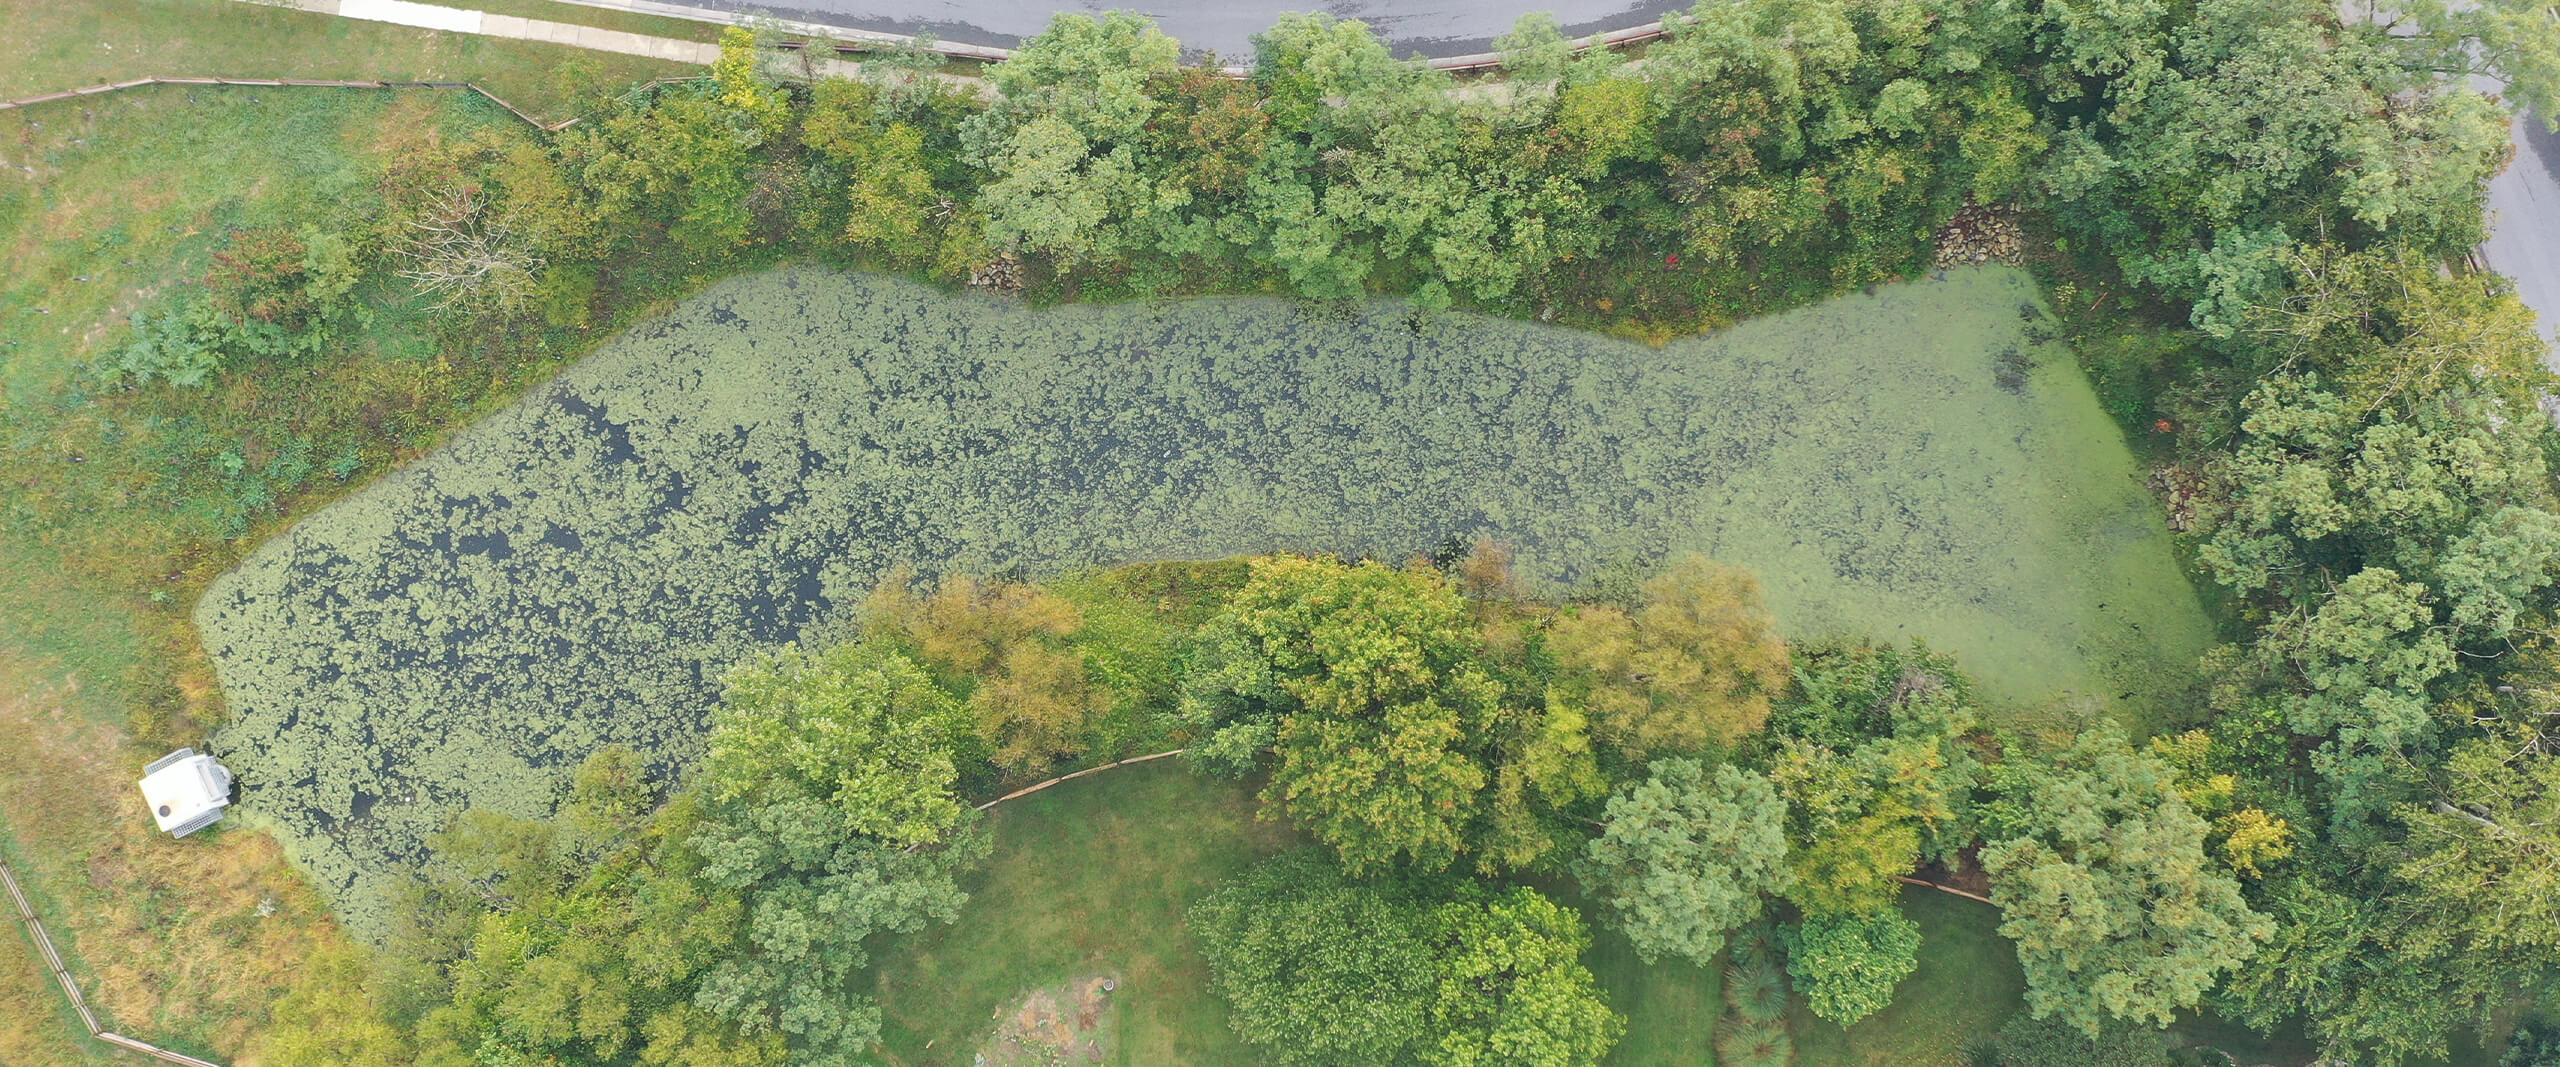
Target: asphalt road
{"points": [[2524, 226], [1432, 28]]}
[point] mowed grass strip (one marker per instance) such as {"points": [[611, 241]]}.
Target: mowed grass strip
{"points": [[48, 47]]}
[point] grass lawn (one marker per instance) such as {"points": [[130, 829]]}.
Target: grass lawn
{"points": [[1967, 985], [1093, 877], [98, 560], [52, 46], [1671, 1006], [1090, 877]]}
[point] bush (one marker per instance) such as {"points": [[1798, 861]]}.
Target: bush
{"points": [[1323, 970], [1742, 1043], [1848, 966]]}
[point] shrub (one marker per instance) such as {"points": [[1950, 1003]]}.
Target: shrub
{"points": [[1848, 966]]}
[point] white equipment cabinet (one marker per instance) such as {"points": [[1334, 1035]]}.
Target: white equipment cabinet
{"points": [[186, 791]]}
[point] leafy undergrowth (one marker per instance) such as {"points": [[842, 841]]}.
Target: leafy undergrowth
{"points": [[182, 942], [115, 512]]}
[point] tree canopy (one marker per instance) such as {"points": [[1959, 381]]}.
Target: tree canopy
{"points": [[2101, 876]]}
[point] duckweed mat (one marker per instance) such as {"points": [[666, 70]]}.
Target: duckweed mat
{"points": [[581, 568]]}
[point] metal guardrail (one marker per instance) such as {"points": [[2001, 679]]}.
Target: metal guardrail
{"points": [[71, 989]]}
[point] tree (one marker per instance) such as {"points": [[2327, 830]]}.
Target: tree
{"points": [[2101, 877], [1007, 645], [855, 730], [1510, 986], [827, 807], [877, 165], [1368, 682], [1694, 666], [1872, 767], [677, 157], [2479, 877], [465, 256], [1684, 856], [745, 88], [1316, 969], [1847, 967], [2384, 324], [1067, 140], [1320, 969], [2514, 41], [2385, 544]]}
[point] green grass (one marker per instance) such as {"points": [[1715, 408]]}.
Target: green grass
{"points": [[1968, 984], [1090, 877], [1671, 1006], [55, 46], [599, 17], [1094, 877], [106, 204]]}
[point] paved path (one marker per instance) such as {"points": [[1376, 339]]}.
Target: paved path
{"points": [[2524, 226], [1433, 28], [461, 20]]}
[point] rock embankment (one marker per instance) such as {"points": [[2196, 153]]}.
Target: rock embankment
{"points": [[1981, 235]]}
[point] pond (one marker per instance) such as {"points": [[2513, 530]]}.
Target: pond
{"points": [[579, 569]]}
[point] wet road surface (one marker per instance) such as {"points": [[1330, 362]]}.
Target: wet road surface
{"points": [[2524, 225]]}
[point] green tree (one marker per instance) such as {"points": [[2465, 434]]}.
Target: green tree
{"points": [[1847, 967], [827, 806], [2101, 876], [1369, 683], [886, 203], [2478, 881], [1870, 760], [1320, 969], [1316, 969], [1510, 986], [1684, 856], [1068, 140], [746, 89], [2384, 544], [1009, 647]]}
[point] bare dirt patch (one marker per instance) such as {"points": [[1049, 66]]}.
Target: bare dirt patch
{"points": [[1052, 1026]]}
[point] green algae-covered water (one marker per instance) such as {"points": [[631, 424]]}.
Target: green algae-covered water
{"points": [[579, 569]]}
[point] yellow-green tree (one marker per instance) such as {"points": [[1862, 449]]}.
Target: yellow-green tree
{"points": [[1694, 665]]}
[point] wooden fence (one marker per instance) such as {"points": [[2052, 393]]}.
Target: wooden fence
{"points": [[1030, 789], [94, 90], [71, 989]]}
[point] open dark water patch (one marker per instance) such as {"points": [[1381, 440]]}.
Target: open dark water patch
{"points": [[579, 569]]}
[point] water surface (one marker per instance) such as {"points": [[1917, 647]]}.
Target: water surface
{"points": [[579, 569]]}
